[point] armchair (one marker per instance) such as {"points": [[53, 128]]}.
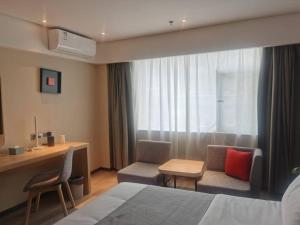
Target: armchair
{"points": [[214, 179], [150, 155]]}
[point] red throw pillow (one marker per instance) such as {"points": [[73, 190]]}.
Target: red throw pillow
{"points": [[238, 164]]}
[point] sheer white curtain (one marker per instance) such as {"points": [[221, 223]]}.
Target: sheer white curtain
{"points": [[196, 100]]}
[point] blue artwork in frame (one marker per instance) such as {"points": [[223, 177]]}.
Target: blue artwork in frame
{"points": [[50, 81]]}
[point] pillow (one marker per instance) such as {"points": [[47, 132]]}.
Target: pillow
{"points": [[238, 164], [290, 204]]}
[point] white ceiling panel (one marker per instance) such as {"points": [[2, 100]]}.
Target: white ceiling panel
{"points": [[123, 19]]}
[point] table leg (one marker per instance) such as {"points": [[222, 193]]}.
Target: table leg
{"points": [[164, 181], [196, 184], [174, 181], [81, 167]]}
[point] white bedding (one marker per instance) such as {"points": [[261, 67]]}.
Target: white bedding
{"points": [[224, 209], [101, 206], [230, 210]]}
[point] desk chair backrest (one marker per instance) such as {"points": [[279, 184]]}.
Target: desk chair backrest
{"points": [[66, 169]]}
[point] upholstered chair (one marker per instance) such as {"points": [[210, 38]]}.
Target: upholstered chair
{"points": [[150, 155], [214, 179]]}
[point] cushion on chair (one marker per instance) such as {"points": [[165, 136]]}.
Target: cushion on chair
{"points": [[218, 182], [238, 164], [290, 204], [156, 152], [215, 159], [42, 180], [139, 172]]}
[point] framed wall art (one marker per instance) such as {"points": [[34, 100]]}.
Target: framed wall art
{"points": [[50, 81]]}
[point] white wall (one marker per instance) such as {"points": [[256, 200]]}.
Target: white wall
{"points": [[22, 35], [269, 31], [102, 117], [73, 112], [17, 65]]}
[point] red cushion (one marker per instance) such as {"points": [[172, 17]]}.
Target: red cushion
{"points": [[238, 164]]}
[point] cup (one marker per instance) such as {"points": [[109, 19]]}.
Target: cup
{"points": [[50, 140], [61, 139]]}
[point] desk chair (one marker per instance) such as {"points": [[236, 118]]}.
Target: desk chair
{"points": [[50, 181]]}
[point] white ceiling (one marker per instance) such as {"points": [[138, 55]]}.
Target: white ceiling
{"points": [[122, 19]]}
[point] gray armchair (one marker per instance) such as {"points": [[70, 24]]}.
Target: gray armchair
{"points": [[214, 179], [150, 155]]}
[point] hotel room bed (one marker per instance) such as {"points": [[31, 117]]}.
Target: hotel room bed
{"points": [[138, 204]]}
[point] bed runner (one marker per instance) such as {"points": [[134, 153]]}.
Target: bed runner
{"points": [[160, 206]]}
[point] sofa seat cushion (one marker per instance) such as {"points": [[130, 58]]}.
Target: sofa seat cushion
{"points": [[139, 172], [217, 182]]}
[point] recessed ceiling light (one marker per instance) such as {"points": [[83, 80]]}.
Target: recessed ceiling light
{"points": [[183, 20], [103, 33], [44, 21]]}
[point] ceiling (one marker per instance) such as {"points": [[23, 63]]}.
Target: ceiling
{"points": [[123, 19]]}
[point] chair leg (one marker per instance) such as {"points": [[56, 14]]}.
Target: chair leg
{"points": [[28, 209], [70, 194], [61, 199], [37, 201]]}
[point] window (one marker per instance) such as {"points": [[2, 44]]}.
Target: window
{"points": [[212, 92]]}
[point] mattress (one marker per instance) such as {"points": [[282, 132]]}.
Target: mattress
{"points": [[222, 209], [230, 210]]}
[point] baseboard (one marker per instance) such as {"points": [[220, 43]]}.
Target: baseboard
{"points": [[20, 206], [103, 168], [13, 209]]}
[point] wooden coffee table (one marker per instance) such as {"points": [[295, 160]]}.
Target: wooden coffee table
{"points": [[183, 168]]}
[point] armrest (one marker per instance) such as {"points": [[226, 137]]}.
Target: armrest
{"points": [[256, 171]]}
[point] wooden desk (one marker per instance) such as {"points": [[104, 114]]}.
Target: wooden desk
{"points": [[13, 168], [183, 168]]}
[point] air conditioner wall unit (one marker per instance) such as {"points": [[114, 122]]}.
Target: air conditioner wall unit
{"points": [[69, 43]]}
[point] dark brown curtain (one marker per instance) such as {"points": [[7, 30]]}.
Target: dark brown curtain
{"points": [[278, 109], [120, 115]]}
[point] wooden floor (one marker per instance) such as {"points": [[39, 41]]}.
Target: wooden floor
{"points": [[50, 209]]}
